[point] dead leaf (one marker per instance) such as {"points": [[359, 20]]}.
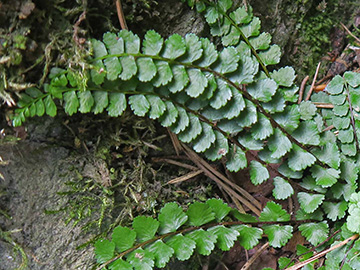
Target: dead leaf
{"points": [[297, 239]]}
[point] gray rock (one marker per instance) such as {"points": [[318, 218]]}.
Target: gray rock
{"points": [[32, 179]]}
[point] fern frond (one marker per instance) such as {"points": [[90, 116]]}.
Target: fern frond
{"points": [[153, 242], [194, 101], [194, 82]]}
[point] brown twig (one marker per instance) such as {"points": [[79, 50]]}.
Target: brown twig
{"points": [[225, 183], [237, 203], [175, 141], [322, 243], [291, 208], [78, 41], [185, 177], [152, 146], [174, 162], [120, 14], [173, 157], [323, 253], [328, 128], [248, 264], [349, 32], [221, 263], [323, 105], [217, 177], [314, 247], [233, 198], [313, 82], [346, 254], [302, 88], [324, 79]]}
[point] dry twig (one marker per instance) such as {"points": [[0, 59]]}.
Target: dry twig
{"points": [[351, 34], [323, 105], [120, 14], [175, 142], [302, 88], [313, 82], [174, 162], [185, 177], [248, 264], [223, 182], [323, 253], [229, 187], [324, 79], [328, 128]]}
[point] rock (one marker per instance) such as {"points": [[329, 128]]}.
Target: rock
{"points": [[32, 179]]}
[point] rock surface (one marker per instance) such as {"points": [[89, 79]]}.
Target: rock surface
{"points": [[32, 179]]}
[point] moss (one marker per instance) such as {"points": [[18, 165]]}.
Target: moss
{"points": [[20, 42], [29, 51], [314, 34], [17, 249], [120, 150]]}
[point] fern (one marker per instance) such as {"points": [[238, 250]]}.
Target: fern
{"points": [[227, 104], [175, 233], [200, 102]]}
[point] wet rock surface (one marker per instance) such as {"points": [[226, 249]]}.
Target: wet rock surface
{"points": [[32, 179]]}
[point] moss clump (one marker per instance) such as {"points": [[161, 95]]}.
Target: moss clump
{"points": [[314, 31]]}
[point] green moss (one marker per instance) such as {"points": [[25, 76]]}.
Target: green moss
{"points": [[19, 42], [316, 31], [123, 148], [314, 34], [18, 250]]}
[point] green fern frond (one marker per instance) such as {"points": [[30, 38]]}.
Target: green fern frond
{"points": [[153, 242], [194, 82]]}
